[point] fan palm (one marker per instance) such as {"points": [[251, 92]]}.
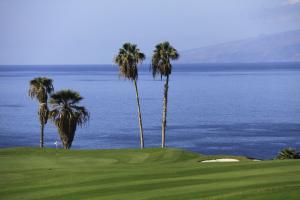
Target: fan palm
{"points": [[128, 58], [67, 114], [288, 153], [161, 65], [40, 88]]}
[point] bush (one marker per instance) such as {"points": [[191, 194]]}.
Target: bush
{"points": [[288, 153]]}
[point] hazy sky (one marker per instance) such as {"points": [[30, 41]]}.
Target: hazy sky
{"points": [[91, 31]]}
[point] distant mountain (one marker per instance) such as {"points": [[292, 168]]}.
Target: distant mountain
{"points": [[280, 47]]}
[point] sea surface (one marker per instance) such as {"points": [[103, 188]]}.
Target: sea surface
{"points": [[239, 109]]}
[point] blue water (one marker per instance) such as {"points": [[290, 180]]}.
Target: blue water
{"points": [[250, 110]]}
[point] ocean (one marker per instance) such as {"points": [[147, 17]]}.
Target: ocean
{"points": [[238, 109]]}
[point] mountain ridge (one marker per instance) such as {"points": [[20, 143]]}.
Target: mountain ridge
{"points": [[278, 47]]}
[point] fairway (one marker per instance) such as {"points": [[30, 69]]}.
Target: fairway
{"points": [[150, 174]]}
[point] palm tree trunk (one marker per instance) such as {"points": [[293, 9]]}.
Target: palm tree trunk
{"points": [[63, 137], [164, 116], [139, 116], [42, 136]]}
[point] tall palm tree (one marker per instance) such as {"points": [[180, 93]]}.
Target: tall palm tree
{"points": [[67, 114], [128, 58], [161, 65], [40, 88]]}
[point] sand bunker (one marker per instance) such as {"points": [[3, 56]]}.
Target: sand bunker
{"points": [[221, 160]]}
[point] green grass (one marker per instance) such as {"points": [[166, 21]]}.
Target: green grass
{"points": [[152, 174]]}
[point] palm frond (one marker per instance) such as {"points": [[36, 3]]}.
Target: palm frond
{"points": [[81, 114]]}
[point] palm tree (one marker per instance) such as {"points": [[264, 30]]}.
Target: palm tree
{"points": [[128, 59], [40, 88], [66, 114], [288, 153], [161, 65]]}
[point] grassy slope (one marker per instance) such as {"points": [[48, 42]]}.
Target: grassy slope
{"points": [[152, 174]]}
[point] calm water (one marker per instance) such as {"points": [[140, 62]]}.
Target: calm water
{"points": [[251, 110]]}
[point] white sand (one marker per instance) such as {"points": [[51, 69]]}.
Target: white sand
{"points": [[221, 160]]}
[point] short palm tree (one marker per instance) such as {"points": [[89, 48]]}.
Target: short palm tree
{"points": [[67, 114], [128, 58], [40, 88], [288, 153], [161, 65]]}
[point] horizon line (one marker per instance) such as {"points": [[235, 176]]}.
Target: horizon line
{"points": [[191, 63]]}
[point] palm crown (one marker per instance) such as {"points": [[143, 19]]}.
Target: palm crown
{"points": [[128, 58], [163, 53], [40, 88], [64, 103]]}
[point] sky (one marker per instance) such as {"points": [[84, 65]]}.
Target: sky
{"points": [[48, 32]]}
